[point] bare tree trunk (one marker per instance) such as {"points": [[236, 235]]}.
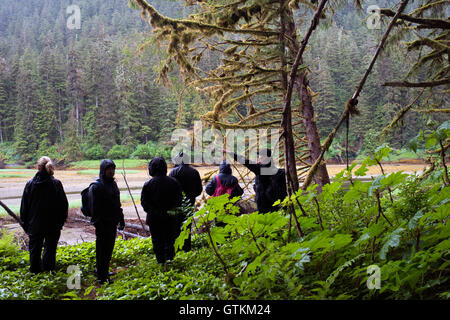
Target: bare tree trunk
{"points": [[312, 134], [307, 109], [350, 107], [77, 115], [60, 122], [289, 147]]}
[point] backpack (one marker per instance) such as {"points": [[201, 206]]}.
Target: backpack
{"points": [[85, 208], [221, 189]]}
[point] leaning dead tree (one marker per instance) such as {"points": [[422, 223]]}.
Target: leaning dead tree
{"points": [[430, 25], [350, 107], [255, 45], [426, 31]]}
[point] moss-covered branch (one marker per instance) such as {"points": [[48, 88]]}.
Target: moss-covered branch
{"points": [[426, 22], [426, 84], [159, 21]]}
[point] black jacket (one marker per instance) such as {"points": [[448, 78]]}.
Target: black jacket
{"points": [[104, 198], [189, 179], [270, 184], [226, 179], [44, 206], [161, 193]]}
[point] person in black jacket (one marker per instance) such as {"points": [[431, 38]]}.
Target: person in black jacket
{"points": [[159, 195], [191, 185], [224, 180], [270, 184], [188, 177], [104, 202], [43, 211]]}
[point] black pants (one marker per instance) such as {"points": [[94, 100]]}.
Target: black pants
{"points": [[163, 229], [264, 205], [105, 233], [49, 241]]}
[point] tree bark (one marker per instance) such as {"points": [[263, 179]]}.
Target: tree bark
{"points": [[286, 123], [426, 84], [307, 110], [312, 134], [428, 23], [350, 107]]}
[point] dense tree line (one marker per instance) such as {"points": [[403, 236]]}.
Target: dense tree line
{"points": [[76, 94], [339, 56]]}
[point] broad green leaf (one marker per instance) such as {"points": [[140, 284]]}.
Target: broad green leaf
{"points": [[393, 241], [376, 184], [443, 212], [361, 171], [413, 143], [376, 229], [364, 237], [88, 290], [431, 141], [330, 189], [304, 259], [443, 131], [218, 234], [382, 151], [341, 240], [414, 221], [394, 179]]}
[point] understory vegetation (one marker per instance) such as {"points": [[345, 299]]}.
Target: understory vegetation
{"points": [[118, 88], [334, 247]]}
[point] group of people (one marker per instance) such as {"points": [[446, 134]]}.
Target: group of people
{"points": [[44, 207]]}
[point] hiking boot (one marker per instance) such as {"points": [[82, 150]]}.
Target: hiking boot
{"points": [[110, 274], [103, 281]]}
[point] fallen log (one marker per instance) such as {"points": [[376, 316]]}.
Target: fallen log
{"points": [[131, 225], [136, 226], [130, 234], [12, 214]]}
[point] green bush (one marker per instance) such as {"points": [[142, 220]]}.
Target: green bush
{"points": [[143, 151], [163, 151], [150, 150], [50, 151], [8, 247], [8, 152], [95, 152], [119, 152]]}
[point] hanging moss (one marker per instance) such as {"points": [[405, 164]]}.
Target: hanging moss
{"points": [[250, 69]]}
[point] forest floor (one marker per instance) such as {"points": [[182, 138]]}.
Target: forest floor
{"points": [[77, 228]]}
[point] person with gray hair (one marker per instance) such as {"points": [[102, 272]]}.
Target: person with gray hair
{"points": [[43, 211]]}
